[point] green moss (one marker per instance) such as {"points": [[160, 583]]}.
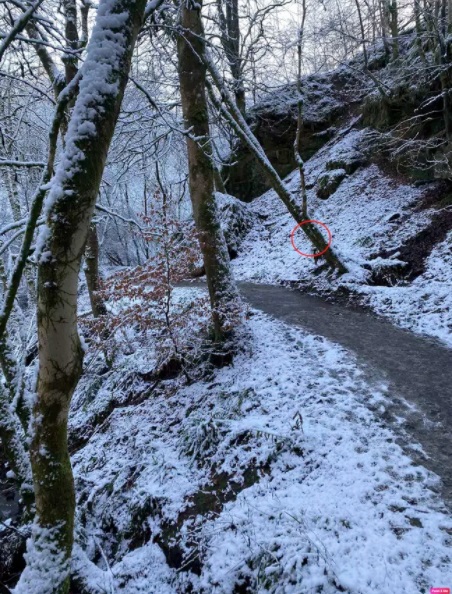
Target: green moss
{"points": [[329, 182], [365, 242], [445, 201]]}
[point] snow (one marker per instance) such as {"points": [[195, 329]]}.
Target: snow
{"points": [[46, 567], [235, 220], [361, 216], [426, 304], [337, 504], [98, 84], [145, 572], [320, 100]]}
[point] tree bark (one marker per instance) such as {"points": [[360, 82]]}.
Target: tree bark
{"points": [[230, 40], [70, 29], [70, 206], [394, 25], [297, 141], [11, 428], [92, 273], [192, 79], [12, 432], [419, 32], [239, 125]]}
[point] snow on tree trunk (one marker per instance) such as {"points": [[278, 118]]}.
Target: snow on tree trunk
{"points": [[12, 432], [192, 78], [60, 246], [239, 125]]}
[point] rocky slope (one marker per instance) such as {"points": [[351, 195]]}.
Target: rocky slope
{"points": [[400, 101], [388, 207], [394, 236]]}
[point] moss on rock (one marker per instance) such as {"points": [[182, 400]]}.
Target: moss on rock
{"points": [[329, 182]]}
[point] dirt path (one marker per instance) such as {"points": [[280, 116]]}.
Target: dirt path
{"points": [[418, 370]]}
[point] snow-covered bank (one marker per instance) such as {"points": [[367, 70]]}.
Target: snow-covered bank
{"points": [[370, 212], [426, 304], [333, 503]]}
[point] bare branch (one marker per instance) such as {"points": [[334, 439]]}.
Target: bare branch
{"points": [[26, 164], [18, 27]]}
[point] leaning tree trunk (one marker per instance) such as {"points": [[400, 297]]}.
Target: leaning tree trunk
{"points": [[70, 60], [192, 78], [232, 114], [70, 206]]}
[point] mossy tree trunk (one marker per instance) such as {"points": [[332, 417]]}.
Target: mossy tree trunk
{"points": [[92, 273], [70, 206], [70, 60], [12, 433], [13, 415], [192, 79]]}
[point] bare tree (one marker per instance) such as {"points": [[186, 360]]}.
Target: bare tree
{"points": [[192, 77], [297, 141], [227, 107], [69, 208], [228, 13]]}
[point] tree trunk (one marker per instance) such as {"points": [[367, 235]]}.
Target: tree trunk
{"points": [[92, 273], [384, 25], [70, 206], [192, 78], [394, 24], [297, 141], [14, 200], [419, 32], [230, 40], [219, 184], [70, 58], [70, 61], [239, 125], [449, 17], [12, 432], [14, 417]]}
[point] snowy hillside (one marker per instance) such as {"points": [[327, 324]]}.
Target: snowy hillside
{"points": [[194, 398], [372, 212], [269, 476]]}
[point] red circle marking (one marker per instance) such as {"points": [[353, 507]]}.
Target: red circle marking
{"points": [[330, 238]]}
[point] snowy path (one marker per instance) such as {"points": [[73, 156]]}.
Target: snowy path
{"points": [[420, 370], [280, 471]]}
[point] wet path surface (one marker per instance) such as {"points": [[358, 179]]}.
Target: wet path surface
{"points": [[418, 370]]}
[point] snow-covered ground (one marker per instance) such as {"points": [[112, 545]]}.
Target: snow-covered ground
{"points": [[332, 503], [276, 474], [426, 304], [369, 212]]}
